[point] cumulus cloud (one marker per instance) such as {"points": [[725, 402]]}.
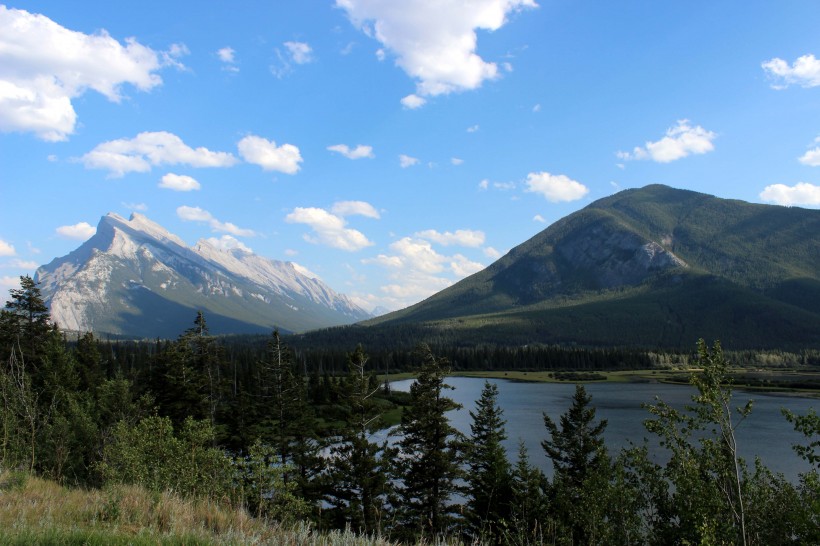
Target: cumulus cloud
{"points": [[811, 157], [269, 156], [805, 72], [418, 271], [540, 219], [407, 161], [473, 129], [328, 229], [9, 282], [351, 208], [151, 149], [226, 242], [461, 237], [456, 161], [178, 182], [196, 214], [680, 141], [434, 42], [413, 101], [80, 231], [300, 52], [555, 187], [491, 253], [484, 184], [228, 57], [358, 152], [801, 193], [7, 249], [44, 66]]}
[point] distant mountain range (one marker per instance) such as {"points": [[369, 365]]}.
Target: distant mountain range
{"points": [[650, 267], [134, 278]]}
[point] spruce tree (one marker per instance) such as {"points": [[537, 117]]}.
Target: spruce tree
{"points": [[428, 462], [489, 491], [358, 474], [580, 462]]}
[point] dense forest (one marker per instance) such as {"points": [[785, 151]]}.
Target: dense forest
{"points": [[288, 436]]}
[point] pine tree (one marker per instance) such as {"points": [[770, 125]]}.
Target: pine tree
{"points": [[489, 490], [580, 461], [25, 323], [358, 473], [429, 453], [528, 485]]}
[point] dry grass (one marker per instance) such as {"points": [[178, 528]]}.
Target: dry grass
{"points": [[36, 511]]}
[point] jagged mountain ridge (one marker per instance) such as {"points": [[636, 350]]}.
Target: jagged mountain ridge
{"points": [[654, 266], [135, 278]]}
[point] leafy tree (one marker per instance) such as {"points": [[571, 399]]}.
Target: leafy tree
{"points": [[358, 470], [489, 489], [580, 468], [429, 453], [706, 500]]}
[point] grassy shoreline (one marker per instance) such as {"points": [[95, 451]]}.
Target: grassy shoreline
{"points": [[768, 381]]}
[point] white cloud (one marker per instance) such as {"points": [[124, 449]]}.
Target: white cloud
{"points": [[266, 154], [413, 101], [540, 219], [456, 161], [151, 149], [196, 214], [801, 193], [811, 157], [463, 267], [350, 208], [178, 182], [7, 249], [9, 282], [805, 72], [44, 66], [484, 184], [226, 55], [679, 142], [504, 186], [536, 108], [358, 152], [418, 271], [491, 253], [473, 129], [300, 52], [407, 161], [81, 231], [329, 229], [226, 242], [434, 42], [461, 237], [555, 187]]}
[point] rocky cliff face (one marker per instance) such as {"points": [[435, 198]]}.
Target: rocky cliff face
{"points": [[133, 277]]}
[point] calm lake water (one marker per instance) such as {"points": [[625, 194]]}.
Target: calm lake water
{"points": [[765, 433]]}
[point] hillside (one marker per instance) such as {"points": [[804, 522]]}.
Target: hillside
{"points": [[651, 267]]}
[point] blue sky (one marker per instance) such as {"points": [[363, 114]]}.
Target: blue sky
{"points": [[391, 148]]}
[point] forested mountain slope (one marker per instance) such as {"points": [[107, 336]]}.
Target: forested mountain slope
{"points": [[654, 266]]}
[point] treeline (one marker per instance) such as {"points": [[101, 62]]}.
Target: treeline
{"points": [[258, 428]]}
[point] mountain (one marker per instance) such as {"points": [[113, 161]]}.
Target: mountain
{"points": [[135, 278], [650, 267]]}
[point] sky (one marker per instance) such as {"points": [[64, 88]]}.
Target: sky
{"points": [[391, 148]]}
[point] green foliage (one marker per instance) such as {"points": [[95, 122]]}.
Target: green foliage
{"points": [[151, 455], [429, 453], [488, 476], [265, 491]]}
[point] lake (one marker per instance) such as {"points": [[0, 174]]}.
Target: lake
{"points": [[765, 433]]}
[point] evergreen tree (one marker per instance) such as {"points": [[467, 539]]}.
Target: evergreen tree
{"points": [[24, 322], [580, 461], [429, 453], [358, 474], [489, 491], [527, 507]]}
